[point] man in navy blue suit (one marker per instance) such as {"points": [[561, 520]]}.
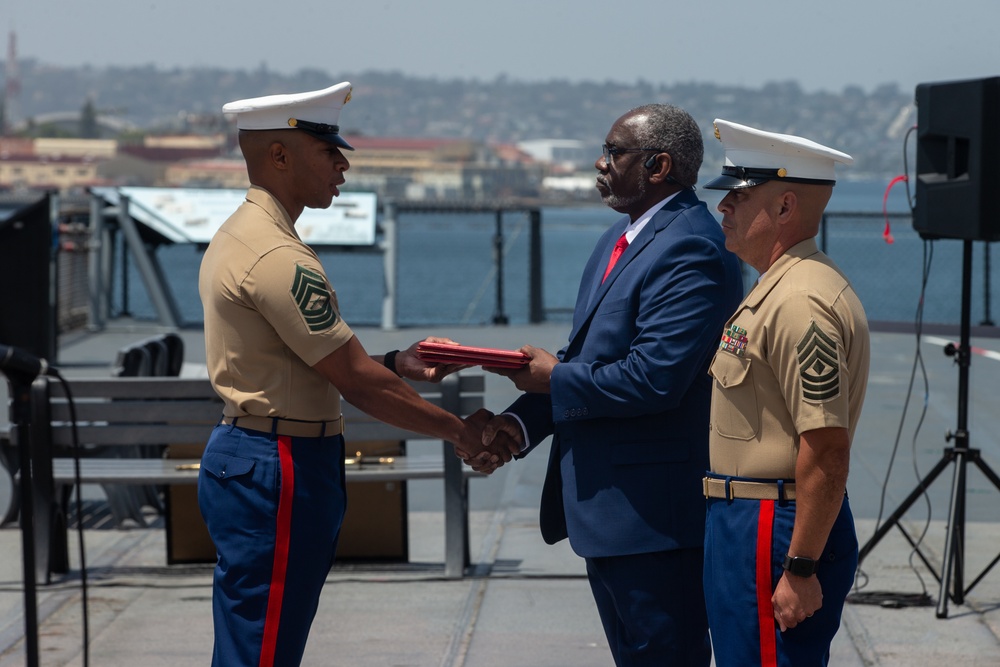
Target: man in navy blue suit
{"points": [[627, 400]]}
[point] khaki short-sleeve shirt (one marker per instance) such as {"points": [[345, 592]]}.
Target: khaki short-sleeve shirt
{"points": [[270, 315], [793, 358]]}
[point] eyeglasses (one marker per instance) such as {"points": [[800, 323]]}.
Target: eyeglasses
{"points": [[610, 152]]}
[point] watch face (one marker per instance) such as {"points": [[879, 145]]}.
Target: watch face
{"points": [[800, 566]]}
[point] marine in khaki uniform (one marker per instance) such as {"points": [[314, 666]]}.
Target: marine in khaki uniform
{"points": [[271, 486], [270, 315], [789, 382]]}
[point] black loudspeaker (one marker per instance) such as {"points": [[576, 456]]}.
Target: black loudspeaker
{"points": [[958, 159], [27, 302]]}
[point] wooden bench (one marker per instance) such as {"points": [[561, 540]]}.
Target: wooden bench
{"points": [[129, 411]]}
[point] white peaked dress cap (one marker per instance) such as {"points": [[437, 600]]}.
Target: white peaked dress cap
{"points": [[316, 112], [754, 156]]}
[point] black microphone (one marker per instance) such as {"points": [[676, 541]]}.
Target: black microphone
{"points": [[25, 365]]}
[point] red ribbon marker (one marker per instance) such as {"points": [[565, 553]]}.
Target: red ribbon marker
{"points": [[887, 234]]}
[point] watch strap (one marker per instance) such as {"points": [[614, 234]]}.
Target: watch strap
{"points": [[800, 566], [389, 361]]}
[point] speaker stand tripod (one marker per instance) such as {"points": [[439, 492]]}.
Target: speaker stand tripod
{"points": [[20, 411], [960, 454]]}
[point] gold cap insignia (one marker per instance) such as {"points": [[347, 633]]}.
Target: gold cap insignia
{"points": [[717, 135], [292, 122], [348, 98], [782, 172]]}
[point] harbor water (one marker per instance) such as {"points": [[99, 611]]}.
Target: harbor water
{"points": [[447, 274]]}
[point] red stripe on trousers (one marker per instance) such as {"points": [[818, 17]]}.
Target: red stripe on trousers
{"points": [[765, 610], [281, 539]]}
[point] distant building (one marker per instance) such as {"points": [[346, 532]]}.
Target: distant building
{"points": [[564, 156], [420, 169], [425, 169], [52, 164], [16, 146], [400, 168], [26, 172], [213, 143], [214, 173], [574, 187], [154, 161], [90, 149]]}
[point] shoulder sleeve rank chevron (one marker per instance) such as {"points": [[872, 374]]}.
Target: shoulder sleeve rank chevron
{"points": [[314, 300], [819, 365]]}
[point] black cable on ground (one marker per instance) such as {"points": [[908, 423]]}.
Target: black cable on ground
{"points": [[79, 512]]}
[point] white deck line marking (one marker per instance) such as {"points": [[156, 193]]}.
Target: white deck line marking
{"points": [[989, 354]]}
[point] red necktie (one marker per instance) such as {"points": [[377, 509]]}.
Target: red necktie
{"points": [[615, 254]]}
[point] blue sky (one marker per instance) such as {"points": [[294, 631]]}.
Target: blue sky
{"points": [[822, 45]]}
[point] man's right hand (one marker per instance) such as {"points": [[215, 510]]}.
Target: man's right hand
{"points": [[476, 452], [501, 433]]}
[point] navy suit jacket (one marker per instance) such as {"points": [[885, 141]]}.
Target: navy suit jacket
{"points": [[629, 404]]}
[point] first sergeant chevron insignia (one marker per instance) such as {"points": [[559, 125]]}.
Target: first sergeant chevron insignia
{"points": [[312, 296], [819, 366]]}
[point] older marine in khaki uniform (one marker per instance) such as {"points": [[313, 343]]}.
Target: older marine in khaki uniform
{"points": [[789, 382], [271, 486], [793, 358]]}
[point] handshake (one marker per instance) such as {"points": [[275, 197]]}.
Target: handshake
{"points": [[489, 441], [500, 436]]}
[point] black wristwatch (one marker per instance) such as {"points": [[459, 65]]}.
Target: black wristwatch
{"points": [[800, 566], [389, 361]]}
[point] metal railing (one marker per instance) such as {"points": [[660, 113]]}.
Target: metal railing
{"points": [[896, 278], [390, 245], [511, 275]]}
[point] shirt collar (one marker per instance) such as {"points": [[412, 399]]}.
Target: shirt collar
{"points": [[633, 228], [267, 201], [771, 277]]}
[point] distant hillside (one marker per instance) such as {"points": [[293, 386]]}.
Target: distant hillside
{"points": [[869, 126]]}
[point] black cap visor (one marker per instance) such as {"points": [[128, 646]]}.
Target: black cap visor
{"points": [[725, 182], [322, 131], [737, 178]]}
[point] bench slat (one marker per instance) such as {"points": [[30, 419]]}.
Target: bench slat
{"points": [[135, 434], [166, 471], [136, 387], [132, 434], [173, 387], [195, 411], [202, 412]]}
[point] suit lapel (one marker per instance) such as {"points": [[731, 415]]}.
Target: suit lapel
{"points": [[631, 252], [660, 221], [592, 276], [595, 277]]}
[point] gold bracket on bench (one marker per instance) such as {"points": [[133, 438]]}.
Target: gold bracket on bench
{"points": [[359, 460]]}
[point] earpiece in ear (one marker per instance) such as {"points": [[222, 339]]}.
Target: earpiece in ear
{"points": [[650, 163]]}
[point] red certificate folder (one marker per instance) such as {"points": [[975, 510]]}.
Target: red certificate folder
{"points": [[442, 353]]}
